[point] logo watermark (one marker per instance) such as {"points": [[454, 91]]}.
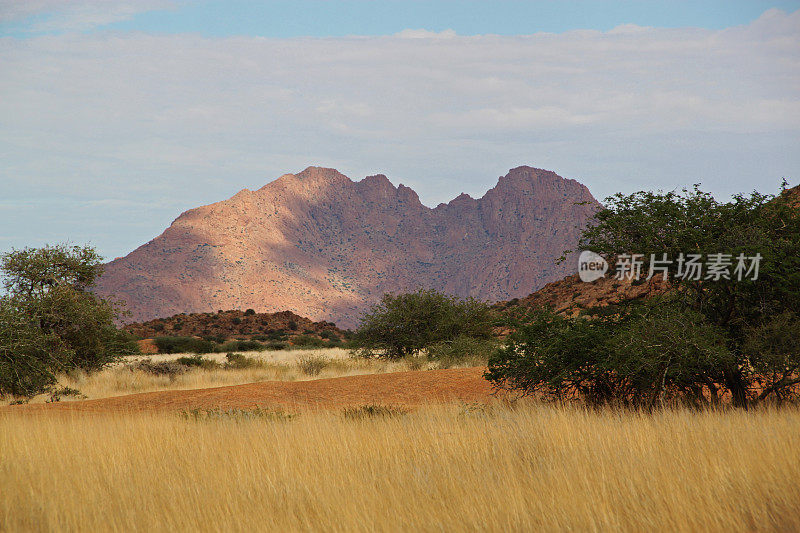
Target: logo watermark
{"points": [[693, 267], [591, 266]]}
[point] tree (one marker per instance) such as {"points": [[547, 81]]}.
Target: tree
{"points": [[50, 321], [642, 354], [405, 324], [693, 222], [711, 337]]}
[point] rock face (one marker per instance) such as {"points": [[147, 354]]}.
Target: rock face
{"points": [[326, 247]]}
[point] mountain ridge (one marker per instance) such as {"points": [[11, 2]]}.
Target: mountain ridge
{"points": [[325, 246]]}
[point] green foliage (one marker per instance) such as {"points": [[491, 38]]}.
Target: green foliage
{"points": [[242, 346], [249, 312], [308, 341], [198, 361], [50, 322], [710, 338], [240, 361], [185, 345], [406, 324], [462, 350], [643, 355]]}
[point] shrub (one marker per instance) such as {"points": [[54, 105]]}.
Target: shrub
{"points": [[184, 345], [374, 411], [239, 361], [163, 368], [307, 341], [406, 324], [293, 325], [236, 415], [462, 350], [249, 312], [58, 393], [236, 320], [312, 365], [275, 346], [197, 361]]}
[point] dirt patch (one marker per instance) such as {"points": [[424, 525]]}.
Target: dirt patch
{"points": [[398, 388]]}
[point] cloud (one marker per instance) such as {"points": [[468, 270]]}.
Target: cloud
{"points": [[183, 120], [75, 15], [426, 34]]}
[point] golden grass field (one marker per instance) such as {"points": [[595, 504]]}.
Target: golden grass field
{"points": [[438, 468], [281, 365], [447, 466]]}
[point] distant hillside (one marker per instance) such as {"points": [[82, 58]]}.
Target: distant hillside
{"points": [[569, 295], [326, 247], [226, 325]]}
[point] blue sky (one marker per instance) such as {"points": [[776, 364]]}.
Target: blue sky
{"points": [[116, 116], [297, 18]]}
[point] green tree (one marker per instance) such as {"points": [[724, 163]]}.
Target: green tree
{"points": [[641, 355], [50, 321], [693, 222], [709, 338], [405, 324]]}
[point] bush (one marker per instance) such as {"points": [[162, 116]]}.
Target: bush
{"points": [[249, 312], [462, 350], [242, 346], [240, 361], [236, 415], [276, 346], [307, 341], [293, 325], [184, 345], [404, 325], [312, 365], [198, 361], [641, 356], [164, 368], [374, 411]]}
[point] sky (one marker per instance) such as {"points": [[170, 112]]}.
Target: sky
{"points": [[115, 117]]}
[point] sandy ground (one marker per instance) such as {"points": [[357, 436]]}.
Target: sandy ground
{"points": [[399, 388]]}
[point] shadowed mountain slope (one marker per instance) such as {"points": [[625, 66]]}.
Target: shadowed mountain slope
{"points": [[326, 247]]}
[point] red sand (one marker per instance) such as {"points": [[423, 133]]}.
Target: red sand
{"points": [[398, 388]]}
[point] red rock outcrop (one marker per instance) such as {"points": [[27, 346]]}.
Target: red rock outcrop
{"points": [[326, 247]]}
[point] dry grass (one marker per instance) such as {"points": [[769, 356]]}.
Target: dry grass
{"points": [[279, 365], [448, 468]]}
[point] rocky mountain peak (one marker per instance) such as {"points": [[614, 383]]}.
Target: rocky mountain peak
{"points": [[327, 247]]}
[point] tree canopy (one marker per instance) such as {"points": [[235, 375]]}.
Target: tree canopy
{"points": [[712, 336], [50, 322]]}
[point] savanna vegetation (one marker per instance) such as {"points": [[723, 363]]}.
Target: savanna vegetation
{"points": [[521, 467], [425, 322], [731, 337], [50, 321]]}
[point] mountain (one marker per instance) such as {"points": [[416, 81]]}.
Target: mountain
{"points": [[326, 247]]}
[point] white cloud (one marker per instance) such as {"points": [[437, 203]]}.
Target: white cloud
{"points": [[426, 34], [187, 120], [76, 15]]}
